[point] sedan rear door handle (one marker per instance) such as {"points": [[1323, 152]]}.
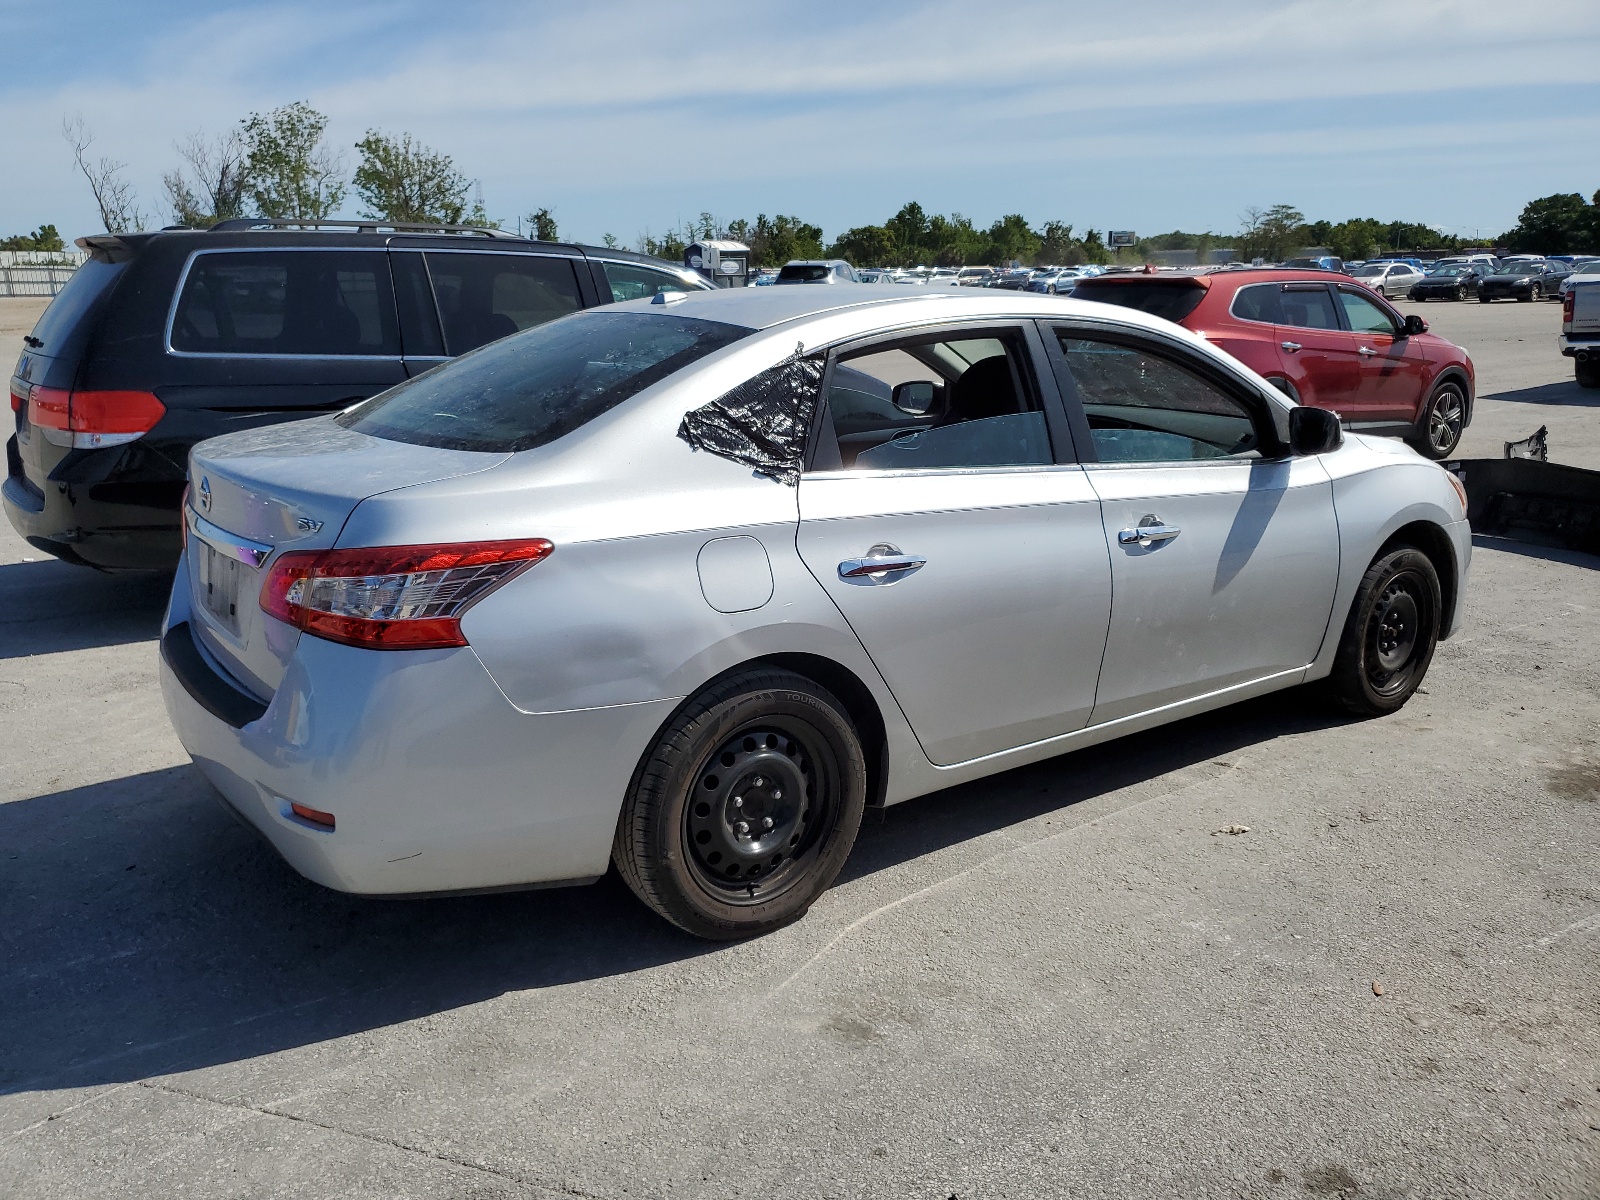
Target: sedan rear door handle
{"points": [[1147, 535], [1291, 347], [882, 564]]}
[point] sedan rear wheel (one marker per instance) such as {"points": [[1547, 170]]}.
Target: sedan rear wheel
{"points": [[1390, 635], [746, 808]]}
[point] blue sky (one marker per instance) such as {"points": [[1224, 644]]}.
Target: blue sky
{"points": [[624, 116]]}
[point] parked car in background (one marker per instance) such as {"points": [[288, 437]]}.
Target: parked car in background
{"points": [[546, 620], [1580, 329], [1324, 262], [1582, 272], [1524, 279], [764, 277], [1418, 263], [1388, 277], [1453, 281], [1053, 283], [1325, 341], [817, 270], [974, 276], [1014, 280], [1486, 261], [161, 340]]}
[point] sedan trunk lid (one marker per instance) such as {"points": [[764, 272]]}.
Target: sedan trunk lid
{"points": [[284, 486]]}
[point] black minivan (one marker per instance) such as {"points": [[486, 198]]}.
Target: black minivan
{"points": [[161, 340]]}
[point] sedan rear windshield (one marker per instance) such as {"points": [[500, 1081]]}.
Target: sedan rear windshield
{"points": [[804, 273], [1521, 268], [1173, 301], [531, 388]]}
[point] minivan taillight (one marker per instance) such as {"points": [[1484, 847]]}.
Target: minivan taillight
{"points": [[90, 420], [392, 597]]}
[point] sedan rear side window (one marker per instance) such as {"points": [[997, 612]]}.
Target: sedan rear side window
{"points": [[484, 297], [1144, 408], [318, 302], [531, 389], [630, 282]]}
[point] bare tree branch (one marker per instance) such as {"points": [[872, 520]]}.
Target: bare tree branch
{"points": [[119, 206]]}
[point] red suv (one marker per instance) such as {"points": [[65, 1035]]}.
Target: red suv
{"points": [[1322, 338]]}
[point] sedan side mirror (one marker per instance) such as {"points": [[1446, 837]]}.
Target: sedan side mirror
{"points": [[1415, 324], [915, 397], [1314, 430]]}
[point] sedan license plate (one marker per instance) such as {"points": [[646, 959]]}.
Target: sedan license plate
{"points": [[221, 579]]}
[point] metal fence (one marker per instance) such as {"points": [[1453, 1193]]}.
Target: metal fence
{"points": [[37, 272]]}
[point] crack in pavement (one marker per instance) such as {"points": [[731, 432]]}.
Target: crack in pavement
{"points": [[496, 1172]]}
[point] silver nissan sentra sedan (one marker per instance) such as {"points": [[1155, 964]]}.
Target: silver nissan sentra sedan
{"points": [[684, 584]]}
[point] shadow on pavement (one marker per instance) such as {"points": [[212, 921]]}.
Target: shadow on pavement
{"points": [[1572, 558], [48, 606], [1568, 394], [149, 933]]}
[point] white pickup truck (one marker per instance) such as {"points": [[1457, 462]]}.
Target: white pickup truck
{"points": [[1580, 330]]}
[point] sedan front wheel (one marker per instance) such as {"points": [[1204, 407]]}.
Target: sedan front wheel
{"points": [[746, 807], [1390, 635]]}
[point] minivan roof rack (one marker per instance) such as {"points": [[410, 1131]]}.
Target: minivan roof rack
{"points": [[235, 224]]}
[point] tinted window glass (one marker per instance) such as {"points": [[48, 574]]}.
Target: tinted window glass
{"points": [[485, 297], [74, 301], [1258, 302], [630, 281], [1364, 315], [533, 388], [802, 274], [325, 302], [1308, 308], [413, 295], [1174, 301], [1145, 408], [963, 402]]}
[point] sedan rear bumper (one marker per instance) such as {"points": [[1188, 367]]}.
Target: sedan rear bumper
{"points": [[436, 782]]}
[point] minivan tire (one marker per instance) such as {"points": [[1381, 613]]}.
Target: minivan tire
{"points": [[745, 808], [1390, 635]]}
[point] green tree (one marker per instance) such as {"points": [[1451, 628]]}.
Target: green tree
{"points": [[777, 240], [1011, 240], [1094, 248], [542, 223], [669, 245], [43, 238], [1548, 225], [400, 179], [1056, 244], [866, 246], [1274, 233], [289, 171]]}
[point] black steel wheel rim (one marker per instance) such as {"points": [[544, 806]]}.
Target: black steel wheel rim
{"points": [[1397, 632], [1445, 416], [759, 808]]}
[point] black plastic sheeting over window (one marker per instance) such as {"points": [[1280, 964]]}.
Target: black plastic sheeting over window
{"points": [[764, 422]]}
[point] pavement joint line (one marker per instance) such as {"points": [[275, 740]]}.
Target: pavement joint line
{"points": [[1016, 845], [497, 1172], [56, 1115]]}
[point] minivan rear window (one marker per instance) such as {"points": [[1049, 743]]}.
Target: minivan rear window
{"points": [[531, 388], [1173, 301], [75, 300], [310, 302]]}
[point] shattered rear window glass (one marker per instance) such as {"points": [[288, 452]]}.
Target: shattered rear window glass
{"points": [[763, 423], [533, 387]]}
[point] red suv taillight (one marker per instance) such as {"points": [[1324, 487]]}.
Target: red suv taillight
{"points": [[89, 420], [392, 597]]}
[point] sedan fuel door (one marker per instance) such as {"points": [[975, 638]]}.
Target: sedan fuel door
{"points": [[965, 549], [1224, 555]]}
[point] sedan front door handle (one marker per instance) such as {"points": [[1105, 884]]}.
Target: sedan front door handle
{"points": [[883, 564], [1366, 351], [1291, 347], [1149, 532]]}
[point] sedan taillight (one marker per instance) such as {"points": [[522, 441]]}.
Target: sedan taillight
{"points": [[392, 597]]}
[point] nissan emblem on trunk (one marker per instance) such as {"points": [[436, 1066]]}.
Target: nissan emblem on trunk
{"points": [[205, 494]]}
